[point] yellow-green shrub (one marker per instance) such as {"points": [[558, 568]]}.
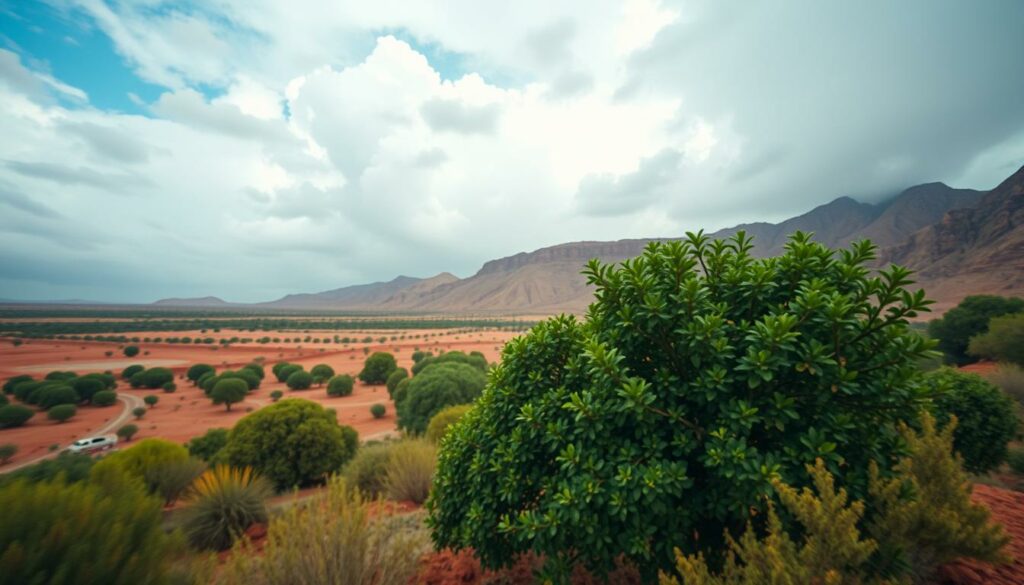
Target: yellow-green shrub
{"points": [[411, 470], [443, 420]]}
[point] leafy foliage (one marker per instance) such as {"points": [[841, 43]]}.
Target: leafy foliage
{"points": [[700, 375], [104, 398], [208, 445], [14, 381], [229, 391], [378, 410], [128, 431], [397, 376], [171, 479], [443, 420], [127, 373], [62, 412], [1010, 378], [299, 380], [197, 371], [151, 400], [435, 388], [968, 319], [377, 368], [87, 387], [477, 360], [223, 503], [1004, 340], [72, 467], [144, 461], [986, 418], [50, 395], [291, 442], [14, 415], [340, 385], [321, 373]]}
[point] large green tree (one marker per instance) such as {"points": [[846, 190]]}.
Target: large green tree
{"points": [[377, 368], [968, 319], [700, 375]]}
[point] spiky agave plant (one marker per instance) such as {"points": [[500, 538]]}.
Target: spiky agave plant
{"points": [[222, 503]]}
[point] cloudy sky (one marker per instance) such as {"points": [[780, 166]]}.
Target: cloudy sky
{"points": [[252, 148]]}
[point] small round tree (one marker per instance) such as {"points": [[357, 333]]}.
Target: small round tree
{"points": [[127, 431], [14, 415], [986, 420], [131, 351], [378, 410], [276, 395], [441, 422], [170, 387], [321, 373], [87, 387], [51, 396], [61, 412], [104, 398], [127, 373], [377, 368], [229, 391], [139, 412], [299, 380], [435, 388], [197, 371], [340, 385], [701, 375], [151, 400]]}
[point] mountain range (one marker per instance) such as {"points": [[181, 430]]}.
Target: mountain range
{"points": [[960, 241]]}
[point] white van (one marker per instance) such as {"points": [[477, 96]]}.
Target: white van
{"points": [[93, 444]]}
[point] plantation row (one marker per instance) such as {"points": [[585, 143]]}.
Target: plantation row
{"points": [[43, 329]]}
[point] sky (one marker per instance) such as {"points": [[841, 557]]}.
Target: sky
{"points": [[252, 148]]}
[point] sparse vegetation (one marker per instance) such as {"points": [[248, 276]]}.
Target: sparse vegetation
{"points": [[138, 412], [411, 466]]}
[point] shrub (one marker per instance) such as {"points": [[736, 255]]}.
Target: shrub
{"points": [[7, 451], [256, 369], [276, 369], [222, 504], [127, 431], [378, 410], [335, 539], [139, 412], [321, 373], [151, 400], [229, 391], [377, 368], [435, 388], [419, 355], [14, 415], [291, 442], [441, 422], [170, 480], [153, 378], [208, 445], [1010, 378], [169, 387], [968, 319], [127, 373], [987, 421], [104, 398], [1015, 459], [83, 533], [288, 370], [143, 461], [410, 470], [197, 371], [700, 374], [251, 379], [14, 381], [131, 351], [72, 467], [1004, 340], [50, 396], [59, 376], [397, 376], [61, 412], [340, 385], [276, 395], [477, 361], [86, 387], [368, 470], [299, 380]]}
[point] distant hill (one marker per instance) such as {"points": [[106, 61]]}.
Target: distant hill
{"points": [[193, 302], [961, 241]]}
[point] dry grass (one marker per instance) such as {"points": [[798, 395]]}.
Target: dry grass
{"points": [[1009, 377], [411, 470]]}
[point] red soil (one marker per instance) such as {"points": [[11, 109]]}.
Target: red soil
{"points": [[462, 568], [980, 368], [188, 413], [1008, 509]]}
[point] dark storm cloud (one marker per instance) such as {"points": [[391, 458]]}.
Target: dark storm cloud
{"points": [[608, 195]]}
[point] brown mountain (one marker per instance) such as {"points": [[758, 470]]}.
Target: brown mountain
{"points": [[979, 249], [363, 296], [196, 302]]}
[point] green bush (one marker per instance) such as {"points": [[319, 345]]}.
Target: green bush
{"points": [[1003, 342], [477, 361], [127, 431], [208, 445], [197, 371], [169, 387], [87, 387], [83, 533], [368, 470], [377, 368], [397, 376], [334, 539], [139, 412], [151, 400], [152, 378], [143, 461], [61, 412], [441, 422], [72, 467], [435, 388], [50, 396], [14, 415], [299, 380], [291, 442], [284, 373], [276, 395], [340, 385], [1015, 459], [256, 369], [7, 451], [229, 391], [131, 351], [277, 370], [223, 503], [987, 421], [1010, 378], [321, 373], [700, 374], [59, 376], [170, 480], [104, 398], [127, 373], [418, 355], [378, 410], [411, 467], [969, 319], [251, 378], [14, 381]]}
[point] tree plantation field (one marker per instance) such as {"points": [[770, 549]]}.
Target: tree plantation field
{"points": [[187, 411]]}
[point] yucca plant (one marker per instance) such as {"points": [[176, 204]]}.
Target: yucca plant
{"points": [[222, 503]]}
